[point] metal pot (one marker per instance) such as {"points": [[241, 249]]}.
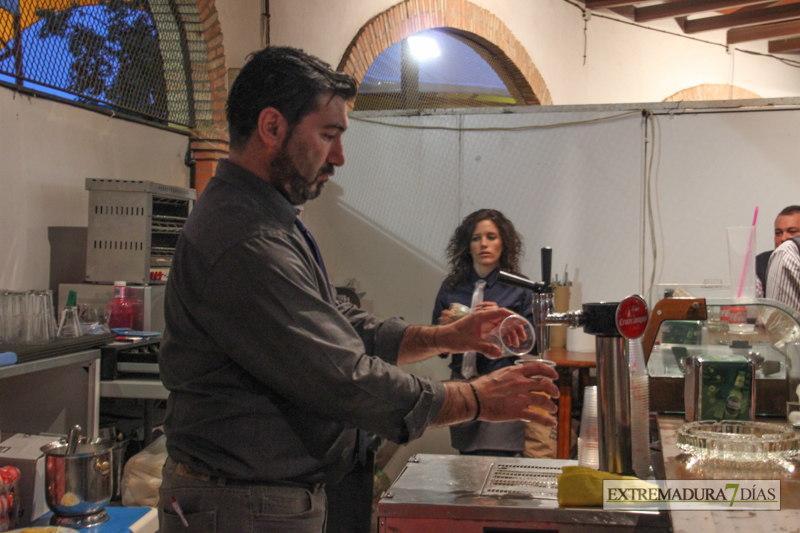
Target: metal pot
{"points": [[79, 485]]}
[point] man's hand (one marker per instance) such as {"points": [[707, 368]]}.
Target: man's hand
{"points": [[506, 394], [485, 306], [509, 393], [470, 332], [465, 334]]}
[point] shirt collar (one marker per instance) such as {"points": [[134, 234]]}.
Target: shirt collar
{"points": [[491, 279], [263, 192]]}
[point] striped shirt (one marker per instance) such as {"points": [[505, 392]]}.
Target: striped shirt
{"points": [[783, 277]]}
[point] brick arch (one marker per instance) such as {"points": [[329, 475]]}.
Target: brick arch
{"points": [[413, 16], [711, 91], [209, 138]]}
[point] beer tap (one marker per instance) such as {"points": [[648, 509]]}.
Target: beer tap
{"points": [[611, 324]]}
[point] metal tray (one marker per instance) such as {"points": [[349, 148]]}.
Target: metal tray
{"points": [[535, 481]]}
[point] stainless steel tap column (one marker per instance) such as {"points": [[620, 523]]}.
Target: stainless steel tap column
{"points": [[542, 308], [611, 333], [613, 404]]}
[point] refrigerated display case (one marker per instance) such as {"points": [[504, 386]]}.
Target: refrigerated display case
{"points": [[764, 332]]}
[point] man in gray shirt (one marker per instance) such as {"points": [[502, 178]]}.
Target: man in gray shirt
{"points": [[270, 376]]}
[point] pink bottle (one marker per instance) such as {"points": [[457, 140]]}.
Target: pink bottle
{"points": [[121, 310]]}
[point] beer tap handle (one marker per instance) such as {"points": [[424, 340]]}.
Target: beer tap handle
{"points": [[547, 264], [518, 281], [542, 305]]}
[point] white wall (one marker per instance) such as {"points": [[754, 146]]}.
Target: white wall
{"points": [[47, 150], [714, 170], [241, 23], [386, 216], [624, 63]]}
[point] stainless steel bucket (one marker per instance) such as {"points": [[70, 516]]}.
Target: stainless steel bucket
{"points": [[78, 486]]}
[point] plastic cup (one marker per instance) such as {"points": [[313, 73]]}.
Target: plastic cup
{"points": [[527, 358], [742, 261], [514, 336], [588, 444]]}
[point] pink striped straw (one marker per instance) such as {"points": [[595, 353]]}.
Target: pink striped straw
{"points": [[747, 255]]}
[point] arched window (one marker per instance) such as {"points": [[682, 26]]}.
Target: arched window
{"points": [[439, 68], [127, 55]]}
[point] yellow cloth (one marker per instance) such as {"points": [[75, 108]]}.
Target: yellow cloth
{"points": [[581, 486]]}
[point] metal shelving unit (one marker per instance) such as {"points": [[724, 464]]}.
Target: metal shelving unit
{"points": [[133, 229]]}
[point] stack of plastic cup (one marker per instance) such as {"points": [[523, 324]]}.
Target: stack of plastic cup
{"points": [[588, 445], [640, 410]]}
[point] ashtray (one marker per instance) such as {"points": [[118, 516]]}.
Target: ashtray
{"points": [[738, 441]]}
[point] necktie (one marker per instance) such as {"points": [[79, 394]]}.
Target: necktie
{"points": [[468, 364], [313, 245]]}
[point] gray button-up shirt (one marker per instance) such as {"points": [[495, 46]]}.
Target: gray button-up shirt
{"points": [[268, 375]]}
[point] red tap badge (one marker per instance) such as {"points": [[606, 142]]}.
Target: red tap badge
{"points": [[632, 316]]}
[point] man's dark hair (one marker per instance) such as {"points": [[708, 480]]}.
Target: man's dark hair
{"points": [[458, 252], [287, 79], [790, 210]]}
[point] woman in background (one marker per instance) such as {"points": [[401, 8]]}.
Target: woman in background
{"points": [[485, 243]]}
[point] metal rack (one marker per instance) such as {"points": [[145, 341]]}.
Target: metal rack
{"points": [[133, 229]]}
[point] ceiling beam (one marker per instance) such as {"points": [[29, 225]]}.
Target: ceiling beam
{"points": [[763, 31], [623, 11], [685, 7], [743, 18], [599, 4], [780, 46]]}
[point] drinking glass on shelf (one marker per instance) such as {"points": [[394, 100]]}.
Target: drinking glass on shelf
{"points": [[3, 319], [40, 326], [70, 323], [94, 320], [12, 310]]}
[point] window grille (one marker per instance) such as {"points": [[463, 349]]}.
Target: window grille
{"points": [[126, 55], [463, 74]]}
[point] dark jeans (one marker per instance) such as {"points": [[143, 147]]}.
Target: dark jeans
{"points": [[350, 500], [232, 506]]}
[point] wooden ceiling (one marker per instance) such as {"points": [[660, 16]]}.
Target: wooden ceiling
{"points": [[777, 22]]}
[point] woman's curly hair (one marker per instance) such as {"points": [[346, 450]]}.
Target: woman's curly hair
{"points": [[458, 253]]}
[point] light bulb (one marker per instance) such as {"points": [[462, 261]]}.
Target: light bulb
{"points": [[423, 47]]}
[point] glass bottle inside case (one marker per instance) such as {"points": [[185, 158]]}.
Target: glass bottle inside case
{"points": [[737, 401]]}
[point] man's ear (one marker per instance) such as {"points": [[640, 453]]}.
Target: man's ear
{"points": [[271, 127]]}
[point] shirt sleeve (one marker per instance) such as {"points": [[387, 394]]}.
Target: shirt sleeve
{"points": [[783, 277], [381, 338], [274, 322]]}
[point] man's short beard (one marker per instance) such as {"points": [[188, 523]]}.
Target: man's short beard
{"points": [[290, 182]]}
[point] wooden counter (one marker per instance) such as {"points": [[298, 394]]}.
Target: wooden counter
{"points": [[678, 465]]}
